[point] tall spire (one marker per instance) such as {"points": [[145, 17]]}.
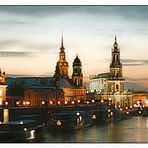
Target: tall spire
{"points": [[115, 39], [62, 46]]}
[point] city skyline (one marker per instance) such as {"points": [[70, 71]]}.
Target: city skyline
{"points": [[31, 35]]}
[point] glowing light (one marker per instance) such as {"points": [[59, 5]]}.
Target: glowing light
{"points": [[50, 102], [0, 122], [115, 106], [58, 123], [93, 101], [78, 113], [138, 102], [1, 101], [102, 101], [25, 129], [59, 102], [94, 117], [78, 101], [6, 103], [32, 134], [146, 102], [126, 108], [87, 102], [43, 102], [109, 110], [130, 106], [139, 112], [127, 113], [109, 99], [135, 105], [17, 103], [111, 113], [27, 102], [21, 122], [121, 109], [65, 102], [24, 103], [73, 102], [119, 106]]}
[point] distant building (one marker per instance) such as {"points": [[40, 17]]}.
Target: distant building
{"points": [[73, 87], [111, 85], [33, 91], [2, 88], [140, 98]]}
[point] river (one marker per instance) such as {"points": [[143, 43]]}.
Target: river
{"points": [[132, 130]]}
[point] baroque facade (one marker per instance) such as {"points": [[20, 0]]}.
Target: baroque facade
{"points": [[72, 86], [111, 85]]}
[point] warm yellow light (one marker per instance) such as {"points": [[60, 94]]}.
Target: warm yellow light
{"points": [[78, 101], [43, 102], [108, 110], [73, 102], [127, 113], [111, 113], [93, 101], [146, 102], [24, 103], [126, 107], [59, 102], [27, 102], [94, 117], [65, 102], [25, 129], [6, 103], [58, 123], [1, 101], [87, 102], [109, 99], [121, 109], [102, 101], [139, 112], [17, 103]]}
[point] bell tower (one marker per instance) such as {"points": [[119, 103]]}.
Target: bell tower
{"points": [[62, 65], [77, 75], [116, 66]]}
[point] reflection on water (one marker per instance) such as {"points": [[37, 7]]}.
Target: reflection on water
{"points": [[131, 130]]}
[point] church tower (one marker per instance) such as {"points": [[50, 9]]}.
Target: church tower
{"points": [[116, 66], [62, 65], [77, 75], [116, 82]]}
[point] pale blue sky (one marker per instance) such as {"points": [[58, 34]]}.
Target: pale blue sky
{"points": [[30, 39]]}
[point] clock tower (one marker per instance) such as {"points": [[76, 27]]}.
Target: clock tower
{"points": [[62, 65]]}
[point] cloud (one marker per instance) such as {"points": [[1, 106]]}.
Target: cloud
{"points": [[15, 54], [134, 62]]}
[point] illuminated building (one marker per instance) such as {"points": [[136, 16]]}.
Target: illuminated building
{"points": [[33, 91], [111, 85], [73, 87], [2, 88]]}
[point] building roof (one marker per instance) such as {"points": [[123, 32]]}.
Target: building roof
{"points": [[102, 75], [17, 85]]}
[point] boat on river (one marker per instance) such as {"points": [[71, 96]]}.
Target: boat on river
{"points": [[21, 131], [69, 120]]}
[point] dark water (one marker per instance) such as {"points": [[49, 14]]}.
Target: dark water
{"points": [[131, 130]]}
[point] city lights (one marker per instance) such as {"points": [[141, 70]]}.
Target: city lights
{"points": [[66, 102], [72, 102], [58, 123], [94, 117], [43, 102], [93, 101], [78, 101]]}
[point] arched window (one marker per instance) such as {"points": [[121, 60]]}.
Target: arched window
{"points": [[117, 87]]}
